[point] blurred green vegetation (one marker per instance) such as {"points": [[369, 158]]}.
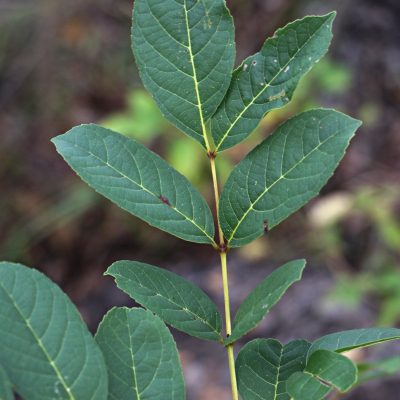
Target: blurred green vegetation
{"points": [[378, 370], [48, 218], [373, 213]]}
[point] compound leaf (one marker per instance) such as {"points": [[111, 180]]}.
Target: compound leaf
{"points": [[283, 173], [257, 305], [6, 391], [141, 356], [177, 301], [268, 79], [185, 53], [45, 347], [355, 338], [137, 180], [264, 365]]}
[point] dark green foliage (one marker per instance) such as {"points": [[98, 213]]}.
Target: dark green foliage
{"points": [[185, 51]]}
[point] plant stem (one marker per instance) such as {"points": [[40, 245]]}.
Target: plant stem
{"points": [[229, 348], [216, 196], [225, 283]]}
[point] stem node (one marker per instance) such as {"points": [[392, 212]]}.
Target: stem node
{"points": [[223, 248], [211, 154]]}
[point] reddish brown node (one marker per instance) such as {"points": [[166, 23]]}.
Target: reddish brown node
{"points": [[212, 154], [223, 248]]}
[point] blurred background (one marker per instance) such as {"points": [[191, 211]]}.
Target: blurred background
{"points": [[66, 63]]}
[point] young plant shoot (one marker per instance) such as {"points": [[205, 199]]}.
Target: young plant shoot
{"points": [[185, 53]]}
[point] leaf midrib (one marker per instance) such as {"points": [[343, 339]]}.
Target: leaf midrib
{"points": [[278, 372], [40, 344], [283, 176], [195, 81], [267, 86], [133, 359], [146, 190]]}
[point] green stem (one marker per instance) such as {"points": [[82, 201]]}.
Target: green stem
{"points": [[228, 327], [225, 283], [216, 195]]}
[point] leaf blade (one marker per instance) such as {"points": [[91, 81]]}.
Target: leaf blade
{"points": [[325, 370], [6, 392], [264, 365], [303, 386], [264, 297], [333, 368], [44, 335], [177, 301], [355, 338], [137, 180], [268, 79], [185, 54], [141, 356], [283, 173]]}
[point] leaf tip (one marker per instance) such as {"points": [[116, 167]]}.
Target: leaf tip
{"points": [[110, 271], [302, 262], [332, 15], [357, 123], [353, 124], [56, 140], [329, 18]]}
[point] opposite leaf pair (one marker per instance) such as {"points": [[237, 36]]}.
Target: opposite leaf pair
{"points": [[185, 52], [274, 180], [186, 307]]}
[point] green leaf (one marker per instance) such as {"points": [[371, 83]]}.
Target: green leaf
{"points": [[137, 180], [283, 173], [264, 365], [6, 392], [141, 356], [333, 368], [185, 53], [347, 340], [257, 305], [325, 371], [268, 79], [177, 301], [303, 386], [45, 347]]}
